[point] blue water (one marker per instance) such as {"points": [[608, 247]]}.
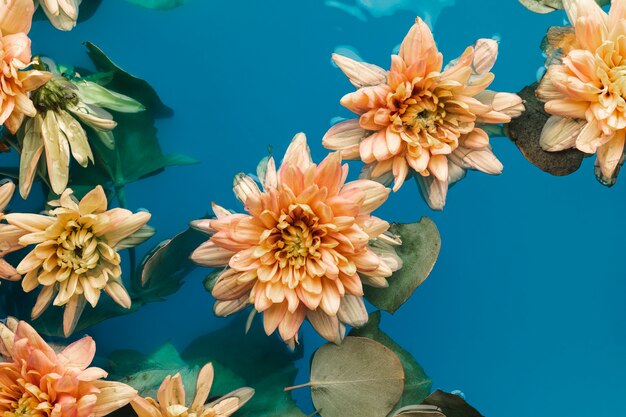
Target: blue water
{"points": [[524, 311]]}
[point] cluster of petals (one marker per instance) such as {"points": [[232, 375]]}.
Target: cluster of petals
{"points": [[16, 79], [63, 14], [75, 254], [36, 381], [421, 119], [305, 248], [171, 401], [585, 85], [9, 235]]}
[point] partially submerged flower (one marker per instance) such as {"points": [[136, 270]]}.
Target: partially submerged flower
{"points": [[16, 78], [76, 252], [9, 235], [55, 131], [171, 401], [585, 86], [36, 381], [418, 118], [303, 249], [63, 14]]}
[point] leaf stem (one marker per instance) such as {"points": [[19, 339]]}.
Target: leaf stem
{"points": [[308, 384]]}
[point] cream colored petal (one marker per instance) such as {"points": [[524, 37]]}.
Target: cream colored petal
{"points": [[479, 159], [231, 402], [16, 16], [433, 191], [95, 201], [126, 227], [485, 55], [226, 308], [118, 293], [211, 255], [326, 326], [44, 299], [112, 396], [77, 138], [203, 386], [360, 74], [32, 149], [71, 314], [29, 222], [144, 408], [140, 236], [6, 193], [610, 154], [298, 153], [352, 311], [33, 79], [244, 187], [8, 272], [560, 133], [345, 137], [590, 138], [93, 116], [57, 152]]}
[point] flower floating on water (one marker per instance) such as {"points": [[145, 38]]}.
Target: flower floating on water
{"points": [[171, 401], [9, 235], [17, 79], [584, 88], [303, 248], [55, 131], [76, 253], [63, 14], [418, 118], [36, 381]]}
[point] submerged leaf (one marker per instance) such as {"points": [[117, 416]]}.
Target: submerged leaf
{"points": [[419, 251], [549, 6], [416, 383], [451, 405], [158, 4], [360, 377], [525, 132], [419, 411]]}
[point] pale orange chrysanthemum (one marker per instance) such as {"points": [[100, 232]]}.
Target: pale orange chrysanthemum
{"points": [[419, 118], [76, 253], [171, 402], [585, 87], [304, 249], [9, 235], [36, 381], [16, 81]]}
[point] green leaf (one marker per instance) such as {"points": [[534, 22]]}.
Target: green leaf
{"points": [[419, 411], [360, 377], [158, 4], [419, 251], [93, 93], [525, 132], [451, 405], [549, 6], [254, 360], [162, 270], [416, 383]]}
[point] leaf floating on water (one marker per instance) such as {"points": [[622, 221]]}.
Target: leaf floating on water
{"points": [[451, 405], [419, 251], [525, 132], [549, 6], [417, 384], [419, 411], [360, 377]]}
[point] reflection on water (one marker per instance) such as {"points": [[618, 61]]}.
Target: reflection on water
{"points": [[429, 10]]}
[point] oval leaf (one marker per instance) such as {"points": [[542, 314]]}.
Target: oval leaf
{"points": [[360, 377], [419, 251]]}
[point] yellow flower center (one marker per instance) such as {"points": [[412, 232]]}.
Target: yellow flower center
{"points": [[76, 249], [297, 236], [24, 400]]}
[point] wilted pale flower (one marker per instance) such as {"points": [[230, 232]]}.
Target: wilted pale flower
{"points": [[16, 81], [171, 401], [61, 13], [415, 118], [585, 87], [304, 248], [55, 131], [35, 381], [9, 235], [76, 253]]}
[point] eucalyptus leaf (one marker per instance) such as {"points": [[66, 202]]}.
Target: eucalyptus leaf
{"points": [[549, 6], [419, 411], [417, 384], [419, 251], [451, 405], [360, 377], [525, 132], [158, 4]]}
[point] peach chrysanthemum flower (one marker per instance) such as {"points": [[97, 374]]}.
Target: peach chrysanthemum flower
{"points": [[76, 253], [36, 381], [304, 249], [16, 80], [171, 401], [585, 87], [419, 118], [9, 235]]}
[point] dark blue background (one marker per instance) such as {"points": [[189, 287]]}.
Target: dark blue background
{"points": [[525, 309]]}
